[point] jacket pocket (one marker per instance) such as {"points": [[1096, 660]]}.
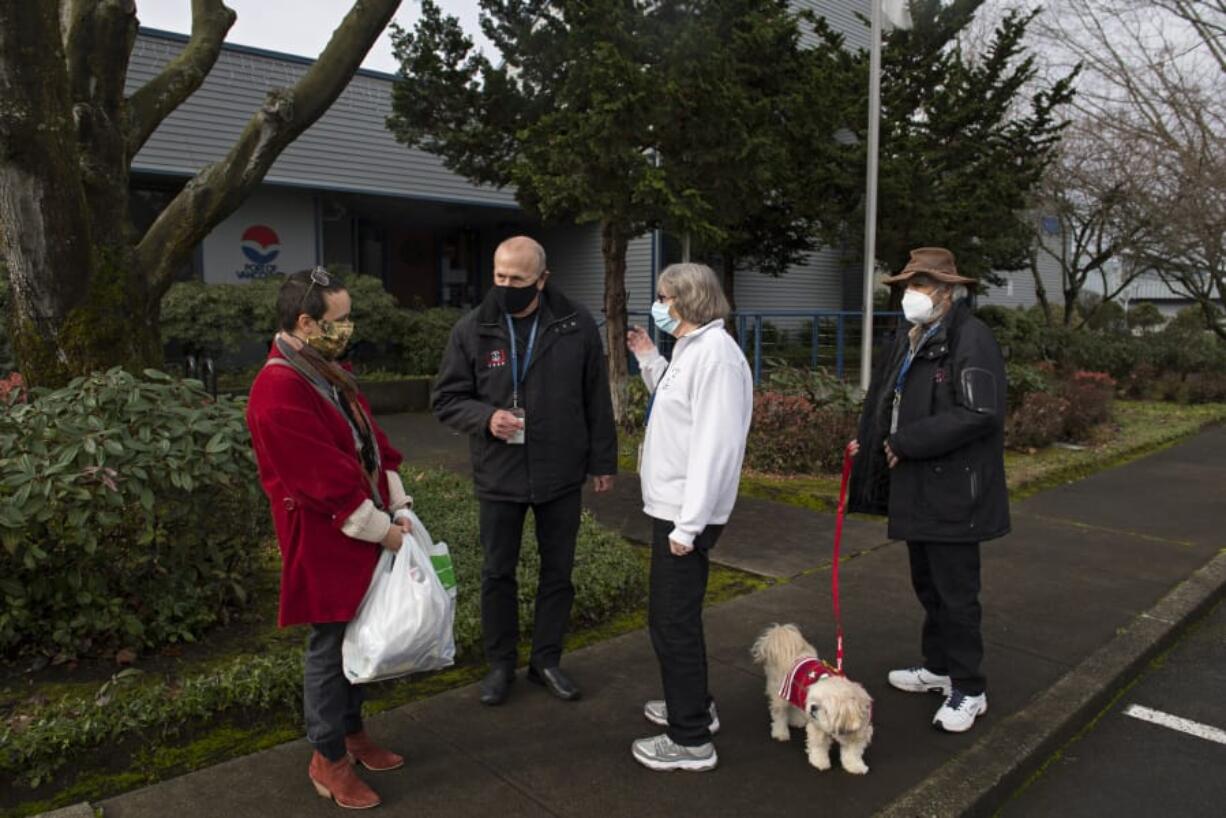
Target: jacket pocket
{"points": [[951, 491]]}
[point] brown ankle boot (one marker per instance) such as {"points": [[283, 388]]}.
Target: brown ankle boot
{"points": [[338, 781], [370, 755]]}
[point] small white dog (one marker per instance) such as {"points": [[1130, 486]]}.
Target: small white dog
{"points": [[805, 692]]}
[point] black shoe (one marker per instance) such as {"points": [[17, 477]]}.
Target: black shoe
{"points": [[496, 685], [555, 681]]}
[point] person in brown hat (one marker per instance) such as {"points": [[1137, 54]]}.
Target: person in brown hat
{"points": [[930, 454]]}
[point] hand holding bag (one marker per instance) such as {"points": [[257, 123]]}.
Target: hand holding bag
{"points": [[405, 622]]}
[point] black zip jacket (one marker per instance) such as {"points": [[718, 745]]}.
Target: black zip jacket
{"points": [[949, 485], [569, 426]]}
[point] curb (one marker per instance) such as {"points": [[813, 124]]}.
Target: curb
{"points": [[979, 780]]}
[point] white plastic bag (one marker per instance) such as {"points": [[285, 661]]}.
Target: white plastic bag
{"points": [[405, 622]]}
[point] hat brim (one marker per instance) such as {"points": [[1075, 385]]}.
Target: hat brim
{"points": [[940, 275]]}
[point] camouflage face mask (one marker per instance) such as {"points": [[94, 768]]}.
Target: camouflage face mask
{"points": [[333, 338]]}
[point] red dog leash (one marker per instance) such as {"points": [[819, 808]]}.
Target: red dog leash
{"points": [[834, 571]]}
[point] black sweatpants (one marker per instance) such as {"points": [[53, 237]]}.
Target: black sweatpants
{"points": [[502, 529], [333, 706], [946, 580], [674, 620]]}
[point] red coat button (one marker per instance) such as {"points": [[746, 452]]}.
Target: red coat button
{"points": [[289, 503]]}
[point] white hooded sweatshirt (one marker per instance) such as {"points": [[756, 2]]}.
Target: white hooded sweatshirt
{"points": [[695, 441]]}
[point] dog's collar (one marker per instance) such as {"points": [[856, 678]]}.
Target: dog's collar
{"points": [[806, 672]]}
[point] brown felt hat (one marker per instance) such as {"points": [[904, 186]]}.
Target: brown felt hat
{"points": [[934, 262]]}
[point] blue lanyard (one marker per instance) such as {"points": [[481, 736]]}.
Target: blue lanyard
{"points": [[906, 364], [518, 376]]}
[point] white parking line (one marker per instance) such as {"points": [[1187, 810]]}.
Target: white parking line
{"points": [[1192, 728]]}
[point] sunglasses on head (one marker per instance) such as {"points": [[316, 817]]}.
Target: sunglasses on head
{"points": [[318, 276]]}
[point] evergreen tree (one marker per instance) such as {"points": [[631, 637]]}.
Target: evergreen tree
{"points": [[961, 145], [705, 117]]}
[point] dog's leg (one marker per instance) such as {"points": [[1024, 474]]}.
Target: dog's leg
{"points": [[851, 753], [818, 745], [779, 719]]}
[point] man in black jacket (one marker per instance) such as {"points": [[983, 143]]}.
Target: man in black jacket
{"points": [[932, 439], [524, 376]]}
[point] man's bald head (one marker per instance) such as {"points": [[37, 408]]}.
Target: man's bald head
{"points": [[520, 256]]}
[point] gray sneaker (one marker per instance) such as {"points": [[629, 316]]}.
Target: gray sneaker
{"points": [[662, 753], [656, 712]]}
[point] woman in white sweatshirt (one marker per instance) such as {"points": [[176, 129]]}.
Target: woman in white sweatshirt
{"points": [[697, 423]]}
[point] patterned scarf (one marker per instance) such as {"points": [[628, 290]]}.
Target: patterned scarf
{"points": [[332, 378]]}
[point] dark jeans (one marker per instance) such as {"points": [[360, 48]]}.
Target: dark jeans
{"points": [[332, 705], [946, 580], [674, 620], [502, 529]]}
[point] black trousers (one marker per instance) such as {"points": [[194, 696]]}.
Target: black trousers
{"points": [[674, 620], [946, 580], [502, 529], [333, 706]]}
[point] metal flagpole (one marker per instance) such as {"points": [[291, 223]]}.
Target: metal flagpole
{"points": [[870, 199]]}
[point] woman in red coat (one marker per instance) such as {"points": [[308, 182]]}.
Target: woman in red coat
{"points": [[330, 475]]}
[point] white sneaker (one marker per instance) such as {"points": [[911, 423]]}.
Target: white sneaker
{"points": [[958, 713], [664, 754], [919, 680], [656, 712]]}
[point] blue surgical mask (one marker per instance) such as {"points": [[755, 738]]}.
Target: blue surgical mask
{"points": [[664, 321]]}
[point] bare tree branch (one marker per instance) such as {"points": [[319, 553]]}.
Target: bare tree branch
{"points": [[160, 96], [218, 189], [1153, 93]]}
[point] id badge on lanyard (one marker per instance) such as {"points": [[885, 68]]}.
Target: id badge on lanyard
{"points": [[517, 377]]}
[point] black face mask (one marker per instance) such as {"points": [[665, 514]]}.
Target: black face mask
{"points": [[514, 300]]}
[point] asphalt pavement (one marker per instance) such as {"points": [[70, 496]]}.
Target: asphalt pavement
{"points": [[1159, 750]]}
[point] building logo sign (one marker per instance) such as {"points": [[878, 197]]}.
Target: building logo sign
{"points": [[261, 245]]}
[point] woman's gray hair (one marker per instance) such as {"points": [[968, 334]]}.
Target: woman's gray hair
{"points": [[697, 295], [959, 292]]}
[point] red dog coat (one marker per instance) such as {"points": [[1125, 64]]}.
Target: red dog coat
{"points": [[807, 671]]}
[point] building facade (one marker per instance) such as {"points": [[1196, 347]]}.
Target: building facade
{"points": [[346, 193]]}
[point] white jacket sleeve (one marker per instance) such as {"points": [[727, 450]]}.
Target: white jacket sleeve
{"points": [[652, 367], [717, 448]]}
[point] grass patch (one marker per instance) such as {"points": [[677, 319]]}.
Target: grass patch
{"points": [[1140, 428]]}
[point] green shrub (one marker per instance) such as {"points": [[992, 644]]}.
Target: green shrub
{"points": [[1145, 317], [424, 338], [221, 319], [818, 386], [1038, 422], [1090, 396], [637, 398], [1024, 379], [608, 576], [790, 435], [609, 579], [1085, 350], [1206, 387], [130, 514]]}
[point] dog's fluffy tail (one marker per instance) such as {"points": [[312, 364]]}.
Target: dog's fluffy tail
{"points": [[778, 645]]}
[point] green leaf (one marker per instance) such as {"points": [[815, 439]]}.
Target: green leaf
{"points": [[217, 444]]}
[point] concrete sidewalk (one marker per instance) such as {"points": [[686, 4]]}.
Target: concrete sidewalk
{"points": [[1084, 561]]}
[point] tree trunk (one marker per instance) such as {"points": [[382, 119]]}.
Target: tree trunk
{"points": [[1040, 291], [729, 274], [73, 293], [86, 289], [613, 242]]}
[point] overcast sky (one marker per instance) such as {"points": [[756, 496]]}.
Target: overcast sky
{"points": [[300, 26]]}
